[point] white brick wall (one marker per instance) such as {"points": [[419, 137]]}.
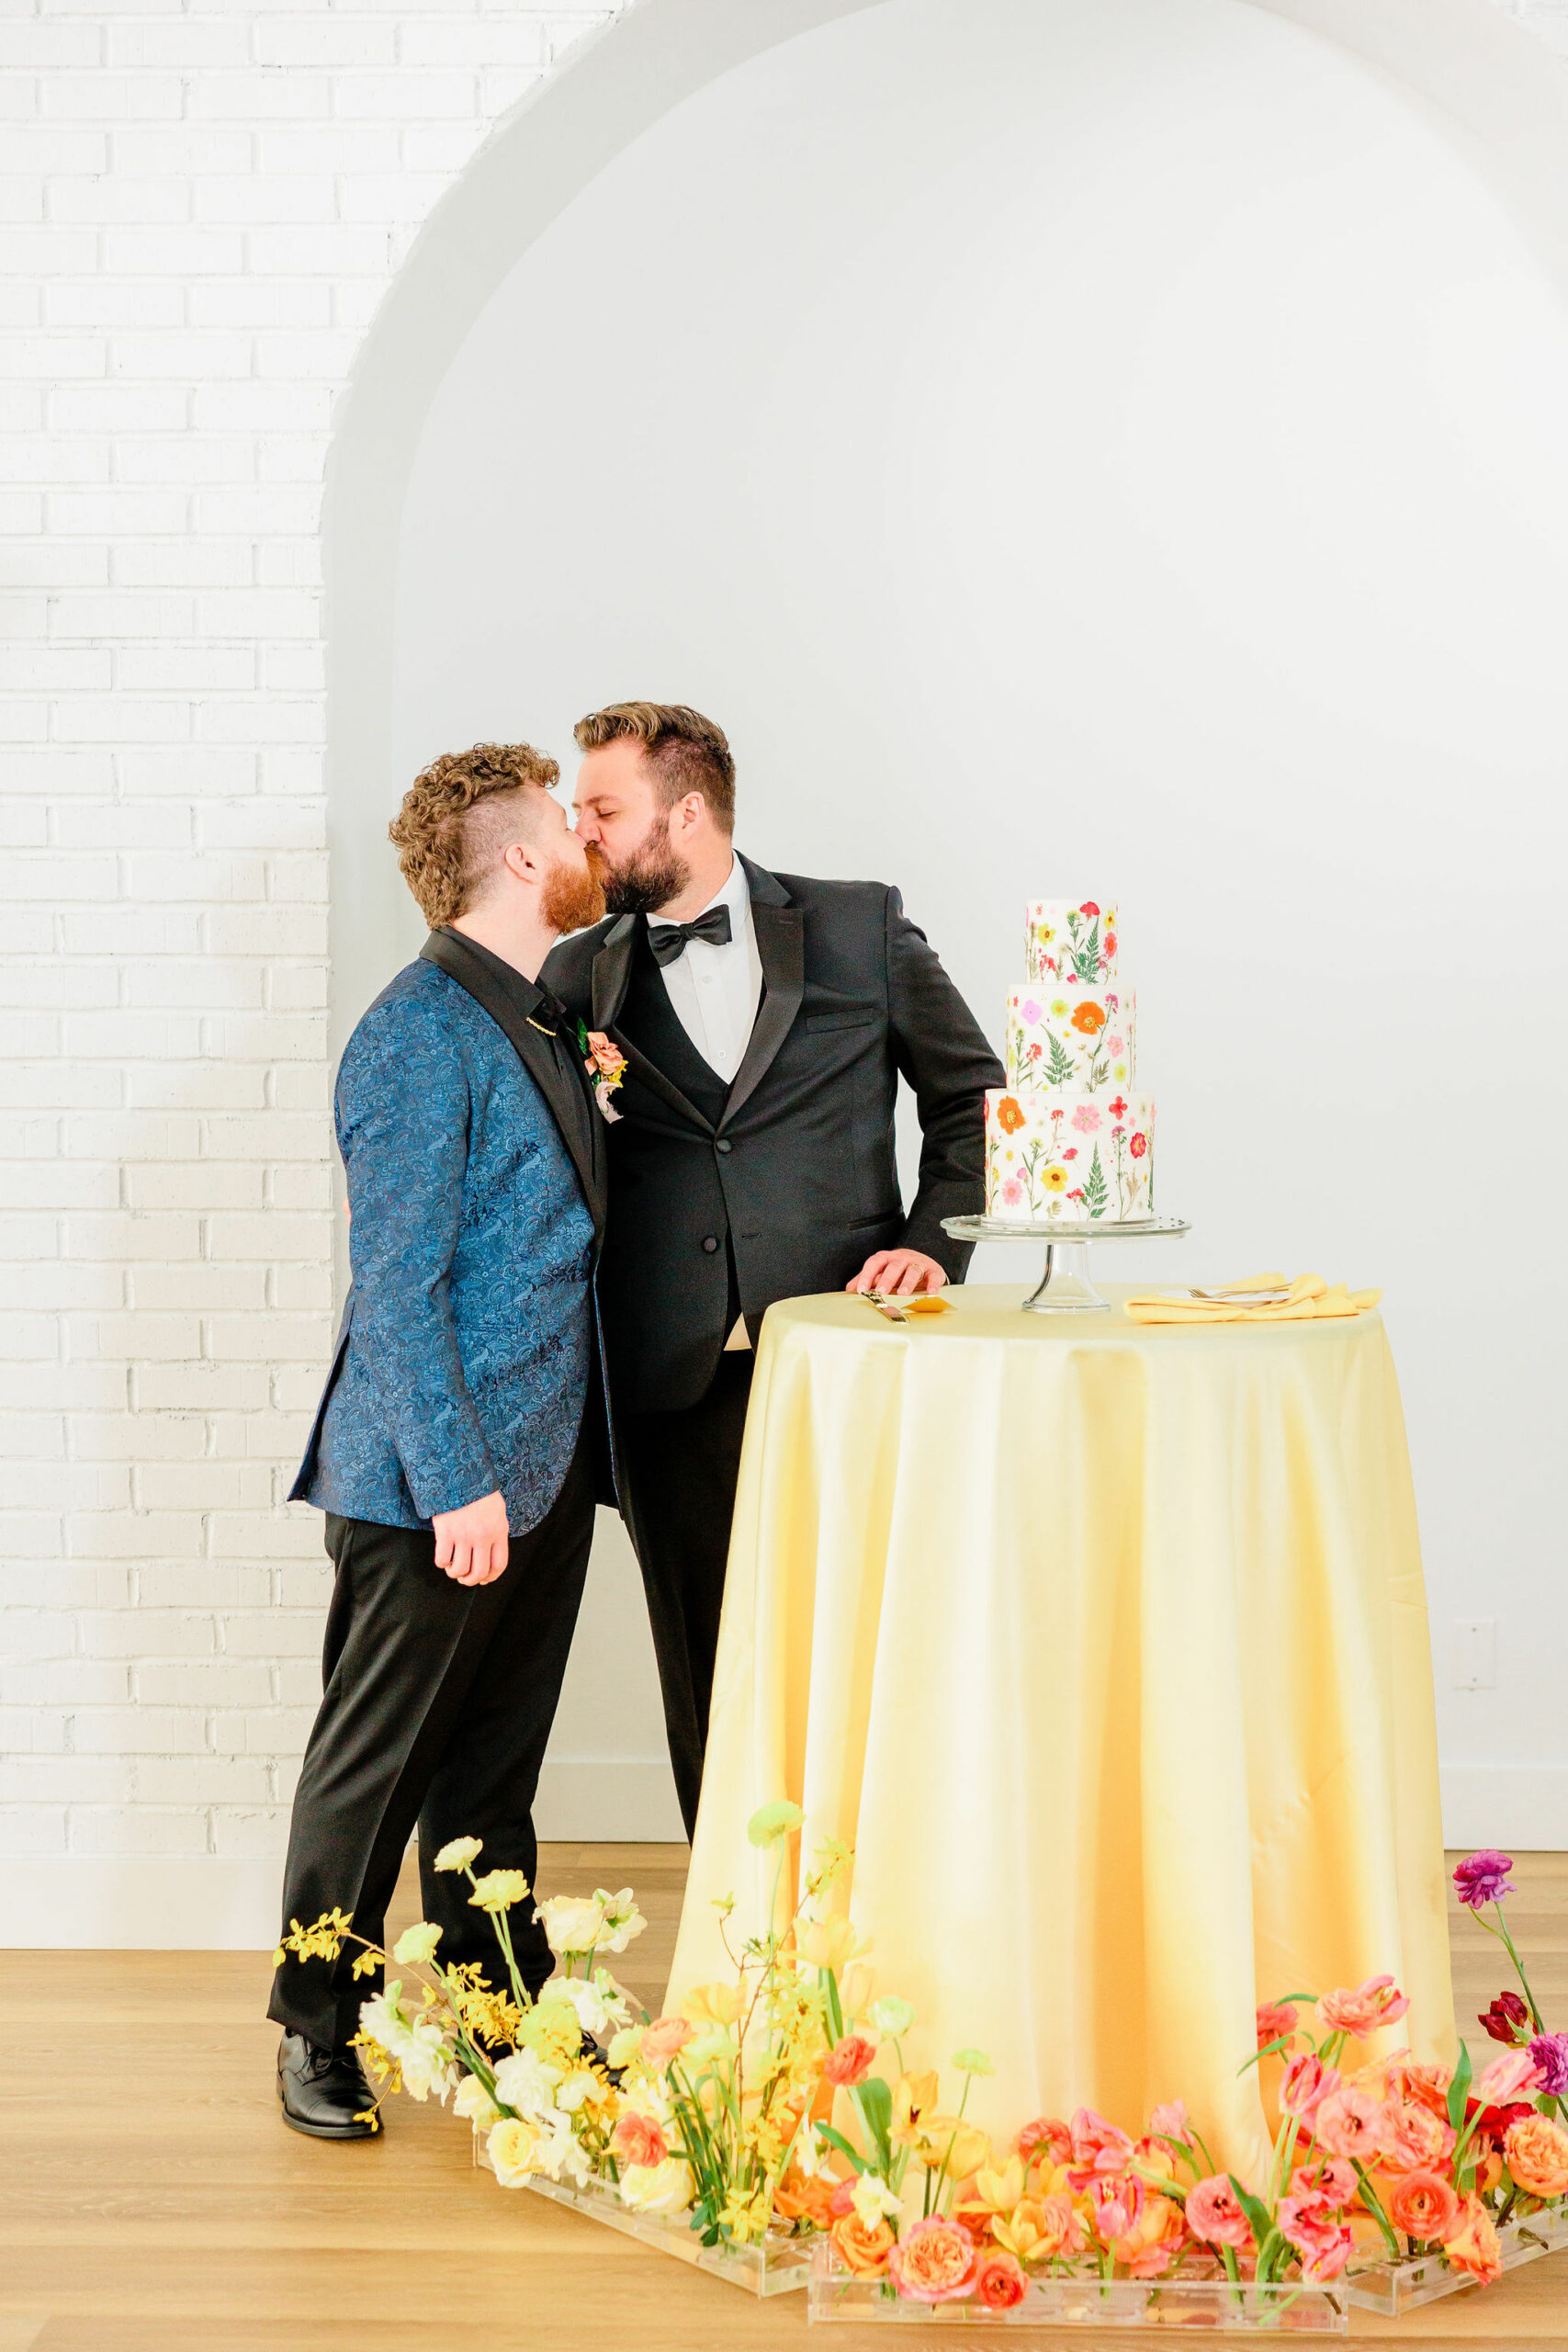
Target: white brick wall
{"points": [[200, 207], [199, 210]]}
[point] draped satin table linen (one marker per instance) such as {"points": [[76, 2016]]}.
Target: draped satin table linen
{"points": [[1106, 1647]]}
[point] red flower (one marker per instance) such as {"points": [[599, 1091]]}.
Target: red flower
{"points": [[1138, 1146], [1077, 1194], [1088, 908], [1071, 1152], [1504, 2018], [1119, 1108], [848, 2061], [1493, 2122]]}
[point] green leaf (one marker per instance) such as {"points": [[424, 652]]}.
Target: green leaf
{"points": [[876, 2101], [1459, 2089], [1059, 1068], [836, 2140], [1094, 1187], [1085, 954]]}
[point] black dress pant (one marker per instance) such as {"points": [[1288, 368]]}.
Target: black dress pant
{"points": [[679, 1470], [438, 1702]]}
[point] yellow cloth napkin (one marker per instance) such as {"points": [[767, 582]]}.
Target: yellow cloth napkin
{"points": [[1279, 1300]]}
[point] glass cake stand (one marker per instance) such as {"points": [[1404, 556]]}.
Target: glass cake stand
{"points": [[1065, 1286]]}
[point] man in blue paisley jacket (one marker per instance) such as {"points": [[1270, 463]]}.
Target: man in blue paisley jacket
{"points": [[451, 1450]]}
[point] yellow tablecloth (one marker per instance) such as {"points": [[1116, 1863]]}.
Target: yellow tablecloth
{"points": [[1106, 1646]]}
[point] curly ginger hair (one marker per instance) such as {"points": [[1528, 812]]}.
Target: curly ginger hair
{"points": [[458, 815]]}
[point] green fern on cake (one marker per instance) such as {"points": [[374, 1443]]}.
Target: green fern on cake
{"points": [[1058, 1070], [1094, 1186]]}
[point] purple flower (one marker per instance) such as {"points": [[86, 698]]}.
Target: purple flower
{"points": [[1549, 2053], [1483, 1878]]}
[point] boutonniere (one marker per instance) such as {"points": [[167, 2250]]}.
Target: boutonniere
{"points": [[605, 1065]]}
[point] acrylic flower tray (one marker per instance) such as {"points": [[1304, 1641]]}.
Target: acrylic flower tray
{"points": [[775, 2267], [1394, 2288], [1085, 2300]]}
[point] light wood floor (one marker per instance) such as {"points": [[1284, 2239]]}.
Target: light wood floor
{"points": [[151, 2200]]}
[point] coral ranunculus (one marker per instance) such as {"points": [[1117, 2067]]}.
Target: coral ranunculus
{"points": [[1423, 2205], [1416, 2140], [864, 2248], [1045, 2136], [1275, 2020], [848, 2062], [1352, 2123], [639, 2139], [1376, 2003], [1536, 2151], [1472, 2243], [1009, 1115], [1214, 2213], [999, 2282], [934, 2263], [662, 2041]]}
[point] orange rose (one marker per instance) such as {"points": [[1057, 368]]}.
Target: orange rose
{"points": [[1089, 1019], [999, 2282], [796, 2198], [864, 2250], [934, 2263], [1537, 2153], [639, 2139], [1472, 2243], [1009, 1115]]}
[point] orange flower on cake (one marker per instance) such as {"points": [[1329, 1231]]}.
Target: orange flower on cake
{"points": [[1536, 2151], [1423, 2205], [934, 2262], [1089, 1019], [1009, 1115], [1471, 2244]]}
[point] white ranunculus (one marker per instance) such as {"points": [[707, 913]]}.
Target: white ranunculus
{"points": [[599, 2007], [419, 2045], [622, 1921], [525, 2084], [666, 2187], [891, 2017], [572, 1923], [459, 1853], [582, 2084], [474, 2104], [625, 2045]]}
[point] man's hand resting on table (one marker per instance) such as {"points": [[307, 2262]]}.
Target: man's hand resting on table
{"points": [[899, 1274], [470, 1543]]}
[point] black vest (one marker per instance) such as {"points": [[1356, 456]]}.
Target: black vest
{"points": [[654, 1026]]}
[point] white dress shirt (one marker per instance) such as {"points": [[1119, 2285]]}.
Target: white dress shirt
{"points": [[715, 990]]}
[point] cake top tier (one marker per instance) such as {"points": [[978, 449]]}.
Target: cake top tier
{"points": [[1070, 939]]}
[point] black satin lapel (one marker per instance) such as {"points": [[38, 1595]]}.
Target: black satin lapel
{"points": [[781, 948], [613, 972], [566, 1101]]}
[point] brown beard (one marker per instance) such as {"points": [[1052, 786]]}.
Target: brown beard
{"points": [[650, 877], [572, 898]]}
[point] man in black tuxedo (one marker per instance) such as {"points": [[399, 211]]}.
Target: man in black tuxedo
{"points": [[765, 1021]]}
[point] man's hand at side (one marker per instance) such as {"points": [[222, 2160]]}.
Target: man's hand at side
{"points": [[899, 1274], [470, 1543]]}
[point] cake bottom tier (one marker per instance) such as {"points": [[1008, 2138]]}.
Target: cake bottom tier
{"points": [[1069, 1159]]}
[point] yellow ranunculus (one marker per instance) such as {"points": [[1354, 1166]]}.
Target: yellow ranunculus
{"points": [[712, 2005], [498, 1890], [666, 2187], [459, 1853], [416, 1946], [513, 2148]]}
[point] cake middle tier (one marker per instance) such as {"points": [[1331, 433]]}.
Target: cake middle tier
{"points": [[1069, 1158], [1071, 1037]]}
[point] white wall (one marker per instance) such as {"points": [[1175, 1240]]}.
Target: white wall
{"points": [[200, 209], [1124, 454]]}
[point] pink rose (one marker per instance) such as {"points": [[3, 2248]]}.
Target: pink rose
{"points": [[1377, 2002], [1214, 2214], [934, 2262], [1086, 1118], [1307, 2083], [1352, 2123], [663, 2039], [1506, 2077]]}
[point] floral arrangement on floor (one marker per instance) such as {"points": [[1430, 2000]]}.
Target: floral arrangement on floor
{"points": [[778, 2104]]}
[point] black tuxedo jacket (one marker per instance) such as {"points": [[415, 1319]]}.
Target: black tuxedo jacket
{"points": [[787, 1175]]}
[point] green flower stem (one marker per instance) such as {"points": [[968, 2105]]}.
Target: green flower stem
{"points": [[1373, 2204], [1501, 1932]]}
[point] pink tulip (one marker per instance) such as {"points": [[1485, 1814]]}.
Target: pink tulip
{"points": [[1515, 2073], [1307, 2083], [1097, 2145]]}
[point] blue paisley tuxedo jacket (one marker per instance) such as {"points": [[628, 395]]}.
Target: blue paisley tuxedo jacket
{"points": [[469, 1338]]}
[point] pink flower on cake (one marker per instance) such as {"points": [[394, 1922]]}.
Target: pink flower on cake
{"points": [[1112, 1045], [1071, 1152], [1029, 1012], [1012, 1193], [1138, 1146], [1109, 945], [1086, 1118]]}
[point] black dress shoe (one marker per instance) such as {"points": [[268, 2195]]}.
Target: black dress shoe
{"points": [[324, 2094]]}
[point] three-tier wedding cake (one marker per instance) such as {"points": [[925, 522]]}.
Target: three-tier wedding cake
{"points": [[1068, 1138]]}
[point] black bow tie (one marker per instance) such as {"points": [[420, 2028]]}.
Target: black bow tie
{"points": [[668, 940]]}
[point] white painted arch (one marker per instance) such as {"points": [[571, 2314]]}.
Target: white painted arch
{"points": [[1478, 78]]}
